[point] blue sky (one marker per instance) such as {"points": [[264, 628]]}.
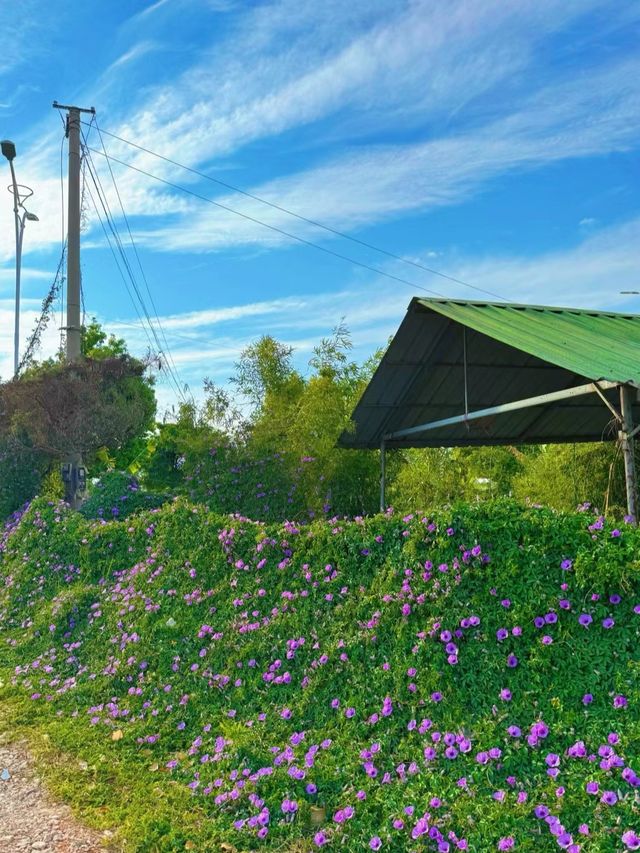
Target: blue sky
{"points": [[494, 140]]}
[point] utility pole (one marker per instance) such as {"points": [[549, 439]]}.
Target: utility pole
{"points": [[73, 472]]}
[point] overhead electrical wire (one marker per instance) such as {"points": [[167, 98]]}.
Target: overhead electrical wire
{"points": [[167, 349], [147, 327], [95, 178], [115, 257], [142, 325], [336, 232], [82, 216], [171, 368], [275, 228]]}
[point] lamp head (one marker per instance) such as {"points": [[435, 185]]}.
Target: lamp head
{"points": [[31, 217], [8, 149]]}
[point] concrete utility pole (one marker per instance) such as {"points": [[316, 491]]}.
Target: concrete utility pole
{"points": [[626, 441], [73, 472]]}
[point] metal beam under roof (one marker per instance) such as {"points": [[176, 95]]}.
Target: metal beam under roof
{"points": [[507, 353], [461, 373]]}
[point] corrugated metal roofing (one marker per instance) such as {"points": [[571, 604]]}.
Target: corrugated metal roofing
{"points": [[513, 352], [593, 344]]}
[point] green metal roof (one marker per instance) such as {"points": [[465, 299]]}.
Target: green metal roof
{"points": [[593, 344], [499, 353]]}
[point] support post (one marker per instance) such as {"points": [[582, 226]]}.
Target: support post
{"points": [[73, 472], [74, 331], [383, 475], [16, 216], [627, 444]]}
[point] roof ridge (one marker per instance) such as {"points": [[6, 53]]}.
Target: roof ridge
{"points": [[593, 312]]}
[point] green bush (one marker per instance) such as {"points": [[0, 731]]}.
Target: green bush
{"points": [[22, 470], [117, 495], [332, 666]]}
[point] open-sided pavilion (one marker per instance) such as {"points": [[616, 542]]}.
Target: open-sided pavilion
{"points": [[463, 373]]}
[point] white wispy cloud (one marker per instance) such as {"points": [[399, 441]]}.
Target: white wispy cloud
{"points": [[207, 343], [288, 64], [137, 51], [590, 274], [597, 114]]}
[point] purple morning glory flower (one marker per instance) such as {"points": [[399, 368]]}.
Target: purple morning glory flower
{"points": [[631, 840]]}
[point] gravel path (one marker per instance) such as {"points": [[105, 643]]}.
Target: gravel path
{"points": [[30, 819]]}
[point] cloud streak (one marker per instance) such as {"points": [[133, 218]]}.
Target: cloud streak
{"points": [[208, 342], [580, 277], [295, 64], [589, 117]]}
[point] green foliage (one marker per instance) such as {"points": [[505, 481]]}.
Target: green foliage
{"points": [[265, 368], [102, 407], [96, 344], [22, 468], [143, 644], [440, 476], [117, 495], [283, 462], [563, 476]]}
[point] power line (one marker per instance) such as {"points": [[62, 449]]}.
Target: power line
{"points": [[117, 262], [142, 325], [118, 242], [115, 257], [135, 250], [63, 239], [302, 218], [281, 231], [111, 222]]}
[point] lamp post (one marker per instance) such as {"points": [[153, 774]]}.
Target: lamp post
{"points": [[21, 215]]}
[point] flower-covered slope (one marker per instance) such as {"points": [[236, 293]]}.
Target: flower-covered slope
{"points": [[468, 682]]}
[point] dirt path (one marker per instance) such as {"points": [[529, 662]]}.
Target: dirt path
{"points": [[30, 819]]}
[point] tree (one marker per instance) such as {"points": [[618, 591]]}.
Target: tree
{"points": [[103, 402], [563, 476], [264, 368], [282, 461], [96, 344]]}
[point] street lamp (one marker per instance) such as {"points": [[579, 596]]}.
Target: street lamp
{"points": [[21, 215]]}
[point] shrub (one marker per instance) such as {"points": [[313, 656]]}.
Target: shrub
{"points": [[437, 683], [117, 495]]}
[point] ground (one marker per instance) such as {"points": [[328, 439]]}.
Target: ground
{"points": [[29, 818]]}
